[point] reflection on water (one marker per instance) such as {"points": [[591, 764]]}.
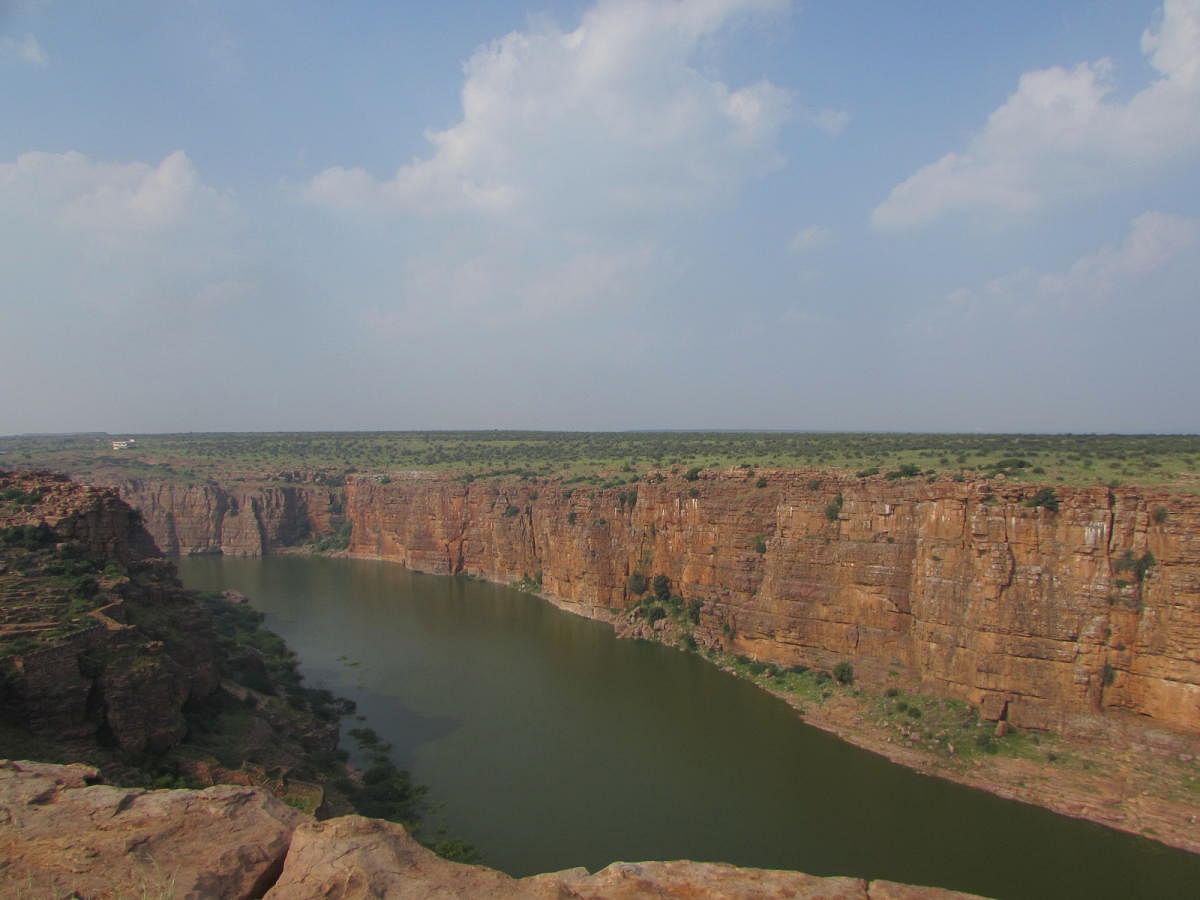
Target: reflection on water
{"points": [[548, 744]]}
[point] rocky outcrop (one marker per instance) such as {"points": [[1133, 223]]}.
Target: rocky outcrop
{"points": [[64, 835], [97, 641], [352, 858]]}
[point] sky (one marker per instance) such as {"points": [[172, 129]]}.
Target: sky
{"points": [[621, 214]]}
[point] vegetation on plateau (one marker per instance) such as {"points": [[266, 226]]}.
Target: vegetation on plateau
{"points": [[618, 458]]}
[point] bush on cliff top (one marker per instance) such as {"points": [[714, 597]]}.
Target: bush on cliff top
{"points": [[1045, 498]]}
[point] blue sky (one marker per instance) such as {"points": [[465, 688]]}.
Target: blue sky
{"points": [[716, 213]]}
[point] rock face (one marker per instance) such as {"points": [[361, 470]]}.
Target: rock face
{"points": [[108, 656], [64, 835], [1044, 618], [234, 520], [352, 858]]}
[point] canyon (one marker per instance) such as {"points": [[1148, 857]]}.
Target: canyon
{"points": [[103, 655], [1081, 618]]}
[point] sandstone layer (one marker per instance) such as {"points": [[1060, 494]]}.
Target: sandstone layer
{"points": [[1043, 617], [236, 519], [64, 835]]}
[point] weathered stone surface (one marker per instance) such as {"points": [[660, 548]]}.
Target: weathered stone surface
{"points": [[102, 673], [352, 858], [60, 836], [237, 520]]}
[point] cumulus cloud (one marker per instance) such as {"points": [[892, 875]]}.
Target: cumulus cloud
{"points": [[1154, 241], [71, 190], [609, 118], [810, 238], [26, 49], [1063, 133], [579, 155], [78, 230]]}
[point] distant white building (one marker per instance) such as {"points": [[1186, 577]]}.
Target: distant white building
{"points": [[123, 445]]}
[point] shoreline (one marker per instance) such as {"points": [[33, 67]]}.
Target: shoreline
{"points": [[1067, 792]]}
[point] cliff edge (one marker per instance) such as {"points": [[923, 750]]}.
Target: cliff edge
{"points": [[64, 834]]}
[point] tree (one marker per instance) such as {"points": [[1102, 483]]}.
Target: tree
{"points": [[662, 587]]}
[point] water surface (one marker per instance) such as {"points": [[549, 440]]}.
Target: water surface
{"points": [[548, 744]]}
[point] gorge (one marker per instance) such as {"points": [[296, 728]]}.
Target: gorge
{"points": [[1067, 620], [1045, 618]]}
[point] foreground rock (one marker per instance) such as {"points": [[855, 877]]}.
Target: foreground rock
{"points": [[62, 835]]}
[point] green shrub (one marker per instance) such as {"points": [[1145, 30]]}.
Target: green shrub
{"points": [[455, 850], [1159, 515], [908, 470], [662, 587], [760, 546], [1139, 566], [1045, 498], [868, 472], [986, 742], [571, 517], [692, 474], [637, 583], [510, 511], [761, 483], [693, 611], [833, 509], [844, 672]]}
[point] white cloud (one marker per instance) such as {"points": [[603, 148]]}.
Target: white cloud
{"points": [[578, 155], [610, 118], [1063, 134], [74, 230], [810, 238], [831, 121], [74, 191], [1154, 241], [25, 49]]}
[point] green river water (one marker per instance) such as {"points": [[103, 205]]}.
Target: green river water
{"points": [[548, 743]]}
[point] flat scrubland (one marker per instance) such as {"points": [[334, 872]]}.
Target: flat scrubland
{"points": [[614, 458]]}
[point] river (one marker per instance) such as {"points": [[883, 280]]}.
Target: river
{"points": [[548, 743]]}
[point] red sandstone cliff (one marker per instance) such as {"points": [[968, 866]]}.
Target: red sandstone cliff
{"points": [[960, 588], [237, 520]]}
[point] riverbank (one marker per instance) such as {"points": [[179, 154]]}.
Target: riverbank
{"points": [[1121, 774]]}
